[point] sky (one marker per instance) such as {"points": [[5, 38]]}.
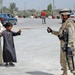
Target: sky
{"points": [[40, 4]]}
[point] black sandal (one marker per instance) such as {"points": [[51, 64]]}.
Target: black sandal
{"points": [[11, 64], [6, 64]]}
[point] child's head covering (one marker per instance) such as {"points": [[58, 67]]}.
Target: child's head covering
{"points": [[8, 24]]}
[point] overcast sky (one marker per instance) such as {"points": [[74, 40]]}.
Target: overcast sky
{"points": [[40, 4]]}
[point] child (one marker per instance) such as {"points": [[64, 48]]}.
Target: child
{"points": [[9, 55]]}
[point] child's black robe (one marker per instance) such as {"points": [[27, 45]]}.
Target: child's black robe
{"points": [[9, 53]]}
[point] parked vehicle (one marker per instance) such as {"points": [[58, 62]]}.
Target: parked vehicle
{"points": [[6, 17], [31, 17], [72, 16], [20, 16], [58, 17], [53, 17], [24, 16]]}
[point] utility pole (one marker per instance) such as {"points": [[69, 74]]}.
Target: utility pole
{"points": [[25, 7], [53, 6], [73, 7]]}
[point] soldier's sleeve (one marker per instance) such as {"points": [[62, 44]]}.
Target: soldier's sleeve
{"points": [[55, 32], [71, 33], [58, 33]]}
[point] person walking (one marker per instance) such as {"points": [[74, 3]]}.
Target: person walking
{"points": [[43, 16], [9, 54], [67, 24]]}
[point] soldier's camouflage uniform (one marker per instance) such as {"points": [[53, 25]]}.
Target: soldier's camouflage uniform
{"points": [[69, 24]]}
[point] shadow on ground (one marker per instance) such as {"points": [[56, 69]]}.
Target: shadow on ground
{"points": [[39, 73], [2, 65]]}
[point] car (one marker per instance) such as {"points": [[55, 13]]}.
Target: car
{"points": [[58, 17], [6, 17], [20, 16], [53, 17], [72, 16], [31, 17]]}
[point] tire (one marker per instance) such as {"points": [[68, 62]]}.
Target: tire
{"points": [[15, 23]]}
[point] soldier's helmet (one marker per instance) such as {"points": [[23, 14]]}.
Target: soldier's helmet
{"points": [[65, 12]]}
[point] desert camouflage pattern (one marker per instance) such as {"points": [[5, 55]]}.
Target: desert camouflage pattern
{"points": [[70, 26]]}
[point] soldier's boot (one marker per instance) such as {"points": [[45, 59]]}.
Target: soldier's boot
{"points": [[64, 73], [73, 72], [62, 69]]}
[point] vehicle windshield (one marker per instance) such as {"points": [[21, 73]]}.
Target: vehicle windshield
{"points": [[9, 15]]}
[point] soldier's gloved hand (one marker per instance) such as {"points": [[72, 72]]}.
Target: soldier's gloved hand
{"points": [[49, 30]]}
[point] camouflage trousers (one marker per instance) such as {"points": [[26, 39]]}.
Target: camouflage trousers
{"points": [[63, 61]]}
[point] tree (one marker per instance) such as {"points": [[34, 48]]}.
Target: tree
{"points": [[5, 10], [12, 7], [49, 9]]}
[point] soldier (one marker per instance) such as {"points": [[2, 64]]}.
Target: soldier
{"points": [[67, 24]]}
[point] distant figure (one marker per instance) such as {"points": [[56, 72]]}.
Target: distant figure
{"points": [[1, 29], [43, 16], [9, 54]]}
